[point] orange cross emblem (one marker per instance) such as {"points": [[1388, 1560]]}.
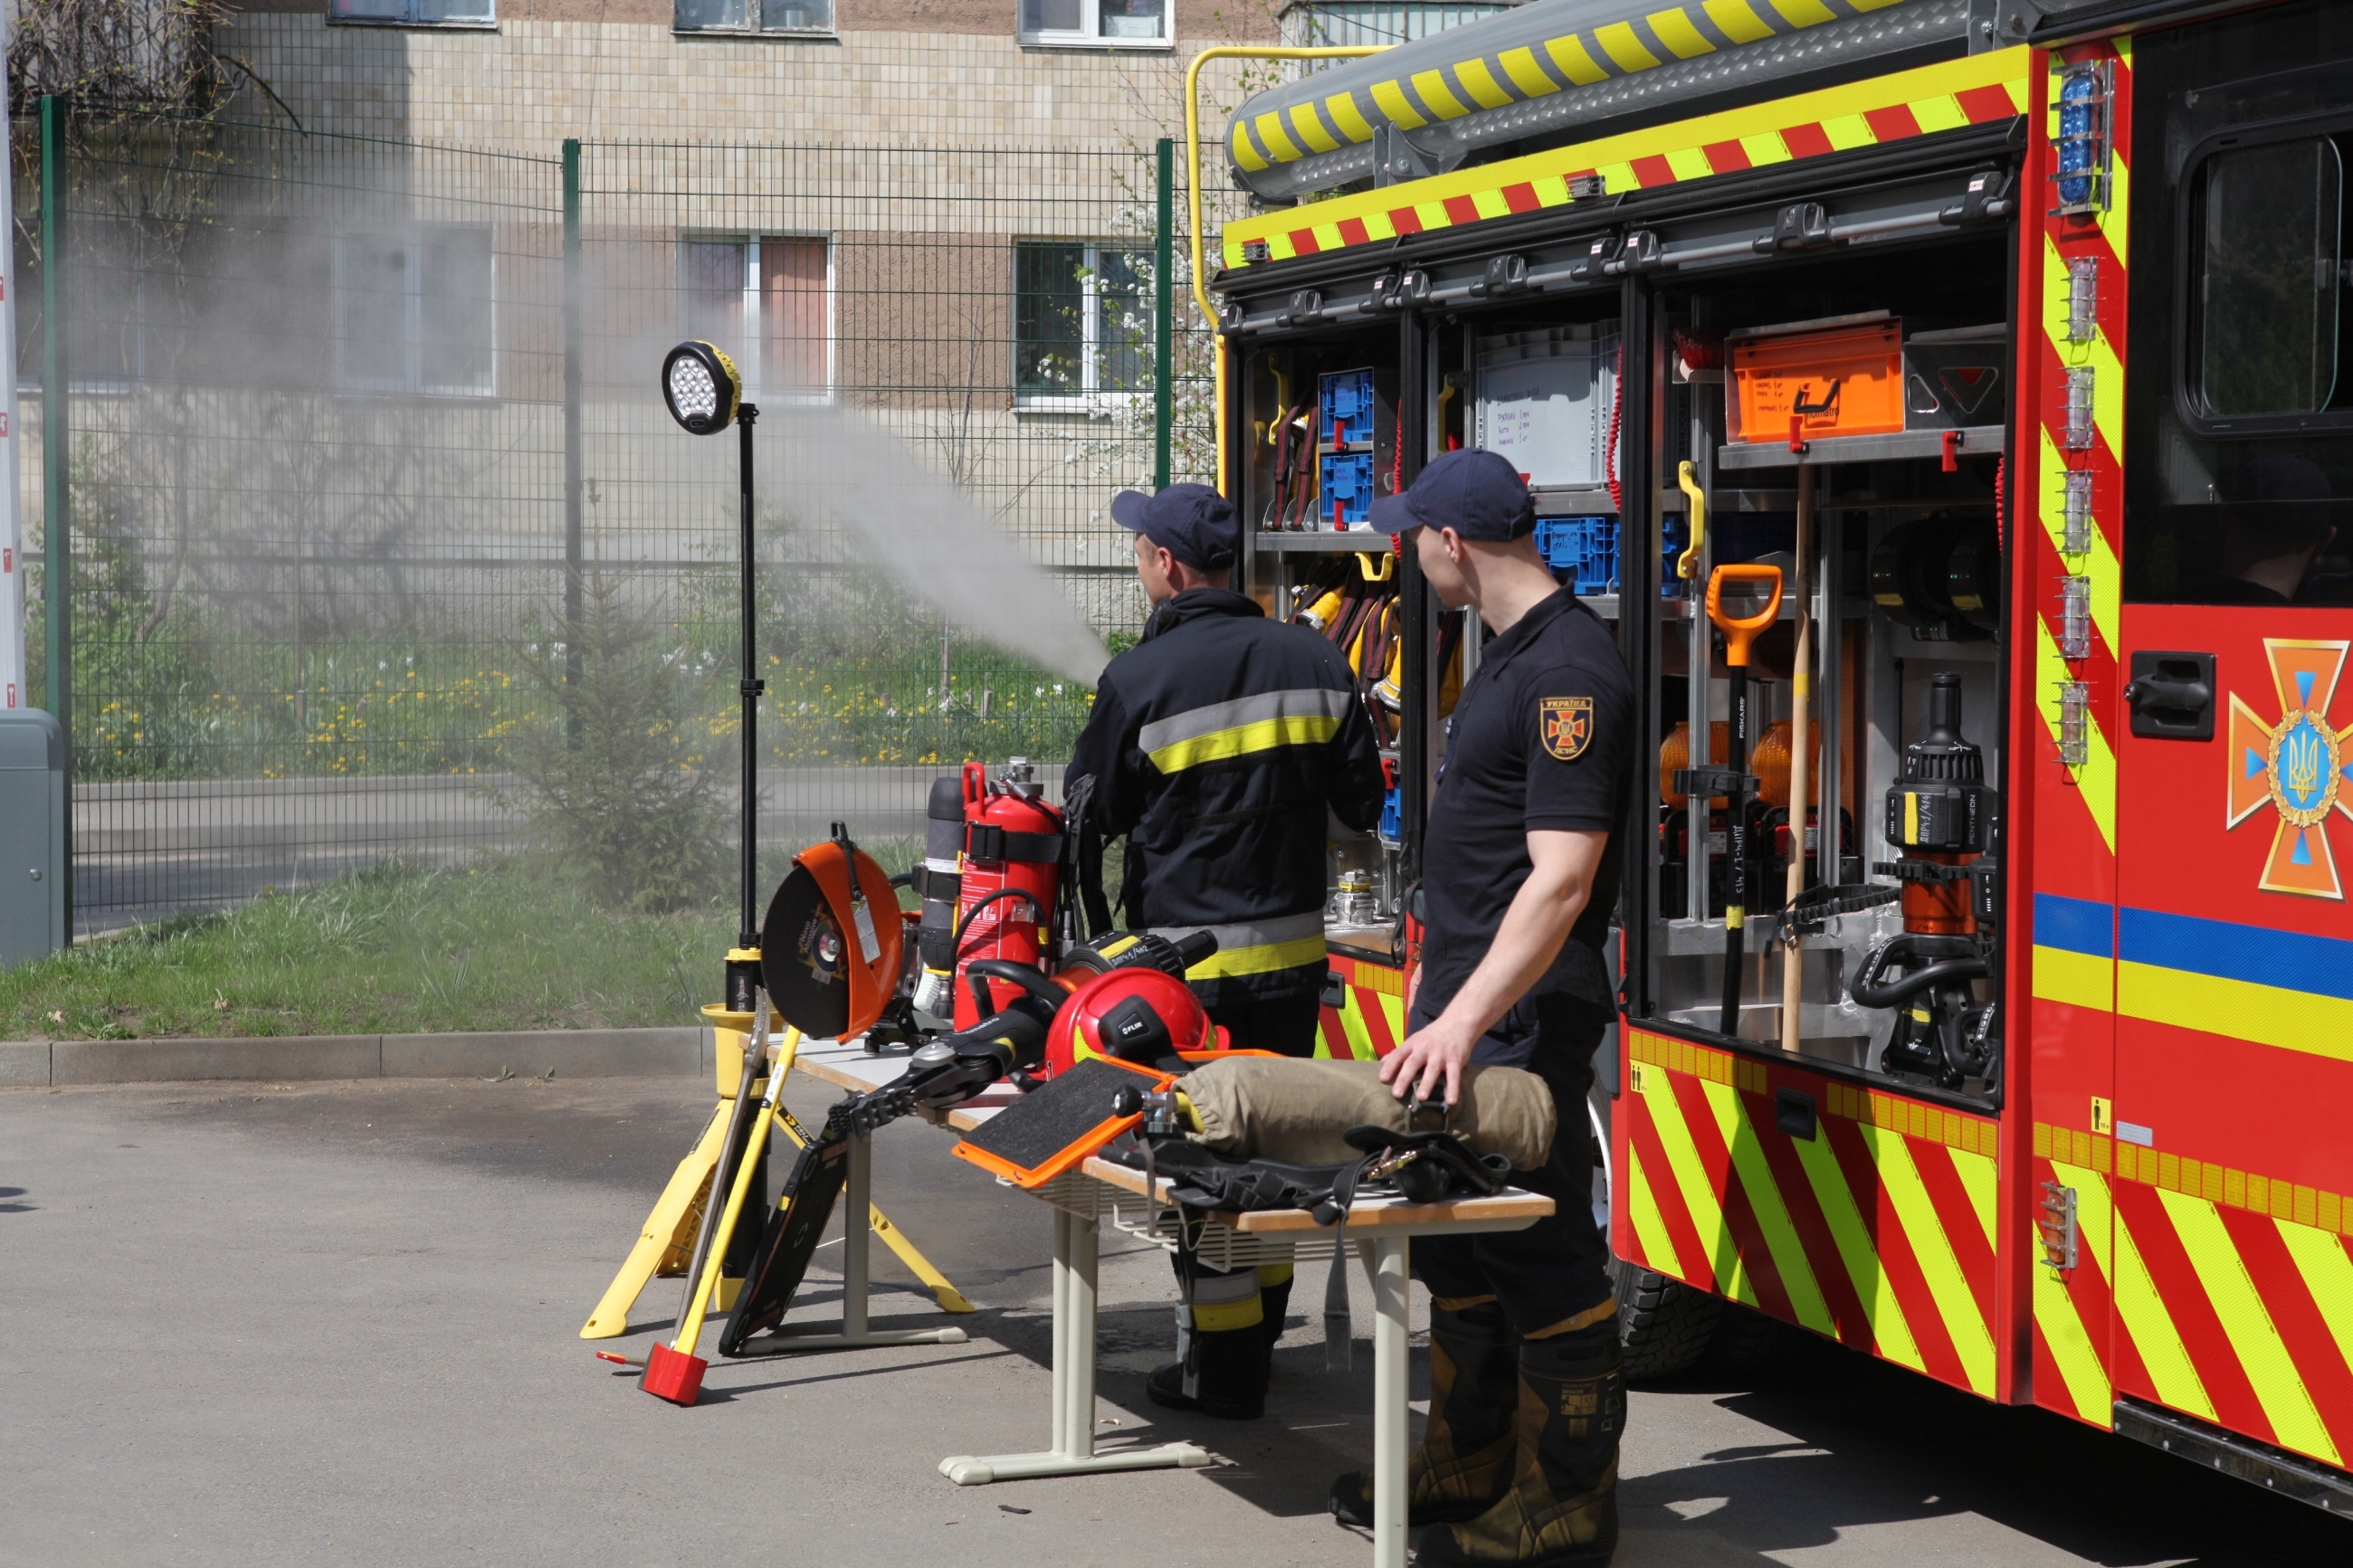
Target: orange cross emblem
{"points": [[2297, 766]]}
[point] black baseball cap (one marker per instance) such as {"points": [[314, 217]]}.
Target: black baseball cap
{"points": [[1477, 494], [1192, 522]]}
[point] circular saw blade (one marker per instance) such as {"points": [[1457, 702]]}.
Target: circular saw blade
{"points": [[804, 958]]}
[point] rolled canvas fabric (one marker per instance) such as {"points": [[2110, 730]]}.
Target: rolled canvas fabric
{"points": [[1294, 1111]]}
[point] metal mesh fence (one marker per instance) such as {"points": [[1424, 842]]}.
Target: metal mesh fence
{"points": [[362, 513]]}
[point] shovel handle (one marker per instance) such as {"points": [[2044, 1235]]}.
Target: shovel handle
{"points": [[1740, 631]]}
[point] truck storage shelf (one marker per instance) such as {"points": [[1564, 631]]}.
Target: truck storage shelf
{"points": [[1975, 441], [1705, 939], [1329, 542], [1680, 609]]}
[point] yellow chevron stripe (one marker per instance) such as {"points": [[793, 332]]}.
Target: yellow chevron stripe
{"points": [[1804, 13], [2278, 1387], [2097, 777], [1891, 1336], [2139, 1308], [1481, 84], [1941, 112], [1738, 20], [1650, 1223], [2078, 979], [2003, 68], [1342, 108], [1619, 42], [1435, 97], [2088, 1389], [1270, 131], [2050, 507], [1310, 126], [1900, 1178], [1698, 1193], [1521, 65], [1848, 131], [2327, 1274], [2237, 1009], [1790, 1260], [1979, 1179], [1675, 29], [1246, 154]]}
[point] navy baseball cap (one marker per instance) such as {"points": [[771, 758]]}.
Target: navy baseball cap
{"points": [[1192, 522], [1477, 494]]}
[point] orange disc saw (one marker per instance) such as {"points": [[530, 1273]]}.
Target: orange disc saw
{"points": [[831, 947]]}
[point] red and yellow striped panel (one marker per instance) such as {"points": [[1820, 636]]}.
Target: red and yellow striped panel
{"points": [[1877, 1231], [2233, 1292], [1372, 1021], [1902, 104], [2064, 827]]}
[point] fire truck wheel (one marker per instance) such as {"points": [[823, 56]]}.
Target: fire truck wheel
{"points": [[1742, 1337], [1664, 1325]]}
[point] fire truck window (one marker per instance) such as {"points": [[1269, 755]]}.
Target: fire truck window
{"points": [[2268, 278]]}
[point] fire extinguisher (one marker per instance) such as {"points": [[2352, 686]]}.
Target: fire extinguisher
{"points": [[1012, 863]]}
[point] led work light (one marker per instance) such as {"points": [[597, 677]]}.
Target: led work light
{"points": [[701, 387]]}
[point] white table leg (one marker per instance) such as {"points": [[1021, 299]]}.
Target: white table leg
{"points": [[1077, 1250], [1392, 1417], [857, 1257]]}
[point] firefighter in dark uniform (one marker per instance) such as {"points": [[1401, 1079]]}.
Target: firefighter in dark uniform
{"points": [[1217, 746], [1520, 870]]}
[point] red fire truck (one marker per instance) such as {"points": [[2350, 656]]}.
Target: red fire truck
{"points": [[1948, 402]]}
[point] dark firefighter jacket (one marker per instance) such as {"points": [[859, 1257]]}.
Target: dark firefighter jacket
{"points": [[1216, 745]]}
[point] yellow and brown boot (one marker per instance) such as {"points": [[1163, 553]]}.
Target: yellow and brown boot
{"points": [[1562, 1509], [1464, 1463]]}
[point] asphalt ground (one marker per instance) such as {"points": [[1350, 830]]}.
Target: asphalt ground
{"points": [[336, 1323]]}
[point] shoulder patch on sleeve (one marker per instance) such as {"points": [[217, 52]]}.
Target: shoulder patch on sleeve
{"points": [[1564, 724]]}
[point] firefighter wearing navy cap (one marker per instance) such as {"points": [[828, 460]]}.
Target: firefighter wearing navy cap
{"points": [[1520, 869], [1218, 746]]}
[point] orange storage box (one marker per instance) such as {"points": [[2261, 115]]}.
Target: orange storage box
{"points": [[1843, 376]]}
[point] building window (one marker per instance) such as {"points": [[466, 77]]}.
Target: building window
{"points": [[769, 303], [415, 13], [1082, 322], [1096, 23], [415, 312], [1331, 22], [803, 17]]}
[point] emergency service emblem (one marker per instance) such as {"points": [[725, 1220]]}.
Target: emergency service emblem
{"points": [[2296, 767], [1567, 726]]}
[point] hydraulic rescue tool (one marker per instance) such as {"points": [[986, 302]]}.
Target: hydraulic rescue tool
{"points": [[1732, 780], [1942, 814]]}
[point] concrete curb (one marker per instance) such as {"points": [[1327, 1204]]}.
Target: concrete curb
{"points": [[676, 1052]]}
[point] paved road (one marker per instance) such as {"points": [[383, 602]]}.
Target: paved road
{"points": [[334, 1323]]}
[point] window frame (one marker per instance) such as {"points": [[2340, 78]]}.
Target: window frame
{"points": [[489, 24], [2189, 272], [412, 383], [753, 29], [1091, 398], [1091, 35], [756, 387]]}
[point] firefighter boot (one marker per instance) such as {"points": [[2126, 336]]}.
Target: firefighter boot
{"points": [[1274, 1305], [1464, 1464], [1562, 1509], [1223, 1333]]}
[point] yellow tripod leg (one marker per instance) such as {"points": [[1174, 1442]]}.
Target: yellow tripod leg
{"points": [[950, 1298], [669, 1229], [755, 1148]]}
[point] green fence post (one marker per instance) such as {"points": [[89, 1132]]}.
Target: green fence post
{"points": [[56, 519], [572, 456], [1163, 326]]}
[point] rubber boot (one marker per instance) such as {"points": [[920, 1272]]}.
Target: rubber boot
{"points": [[1275, 1302], [1464, 1464], [1562, 1509], [1232, 1385]]}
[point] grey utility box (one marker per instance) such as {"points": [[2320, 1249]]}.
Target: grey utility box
{"points": [[32, 837]]}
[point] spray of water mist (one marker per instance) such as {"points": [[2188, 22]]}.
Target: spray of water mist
{"points": [[832, 467]]}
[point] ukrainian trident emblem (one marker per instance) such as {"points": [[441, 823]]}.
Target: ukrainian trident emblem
{"points": [[2296, 766]]}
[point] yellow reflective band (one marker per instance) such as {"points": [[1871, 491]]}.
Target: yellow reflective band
{"points": [[1521, 65], [1342, 108], [1804, 13], [1262, 960], [2327, 1274], [1246, 153], [2138, 1306], [1738, 20], [1311, 129], [1891, 1336], [1221, 1317], [1273, 1274], [1481, 84], [2088, 1389], [1675, 30], [1391, 99], [2302, 1021], [1755, 1174], [1619, 42], [1270, 131], [1933, 1250], [1241, 740], [1649, 1221], [1570, 54], [1910, 816], [1698, 1192], [2278, 1387], [1436, 97], [1735, 916], [1978, 1179], [2077, 979]]}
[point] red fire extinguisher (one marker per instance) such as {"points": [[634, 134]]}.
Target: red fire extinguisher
{"points": [[1012, 861]]}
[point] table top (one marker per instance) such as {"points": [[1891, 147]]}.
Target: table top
{"points": [[848, 1065], [1511, 1209]]}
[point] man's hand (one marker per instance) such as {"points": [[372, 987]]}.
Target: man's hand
{"points": [[1431, 1057]]}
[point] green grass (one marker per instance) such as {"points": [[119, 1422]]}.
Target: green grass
{"points": [[505, 944]]}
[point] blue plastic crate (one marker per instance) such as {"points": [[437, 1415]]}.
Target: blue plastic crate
{"points": [[1583, 551], [1348, 480], [1392, 827], [1673, 536], [1350, 403]]}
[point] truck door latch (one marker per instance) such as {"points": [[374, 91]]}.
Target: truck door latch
{"points": [[2172, 696]]}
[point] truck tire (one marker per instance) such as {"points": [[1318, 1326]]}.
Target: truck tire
{"points": [[1663, 1324]]}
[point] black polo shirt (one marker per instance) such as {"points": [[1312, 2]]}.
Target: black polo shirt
{"points": [[1542, 738]]}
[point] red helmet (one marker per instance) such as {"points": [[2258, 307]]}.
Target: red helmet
{"points": [[1135, 1015]]}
